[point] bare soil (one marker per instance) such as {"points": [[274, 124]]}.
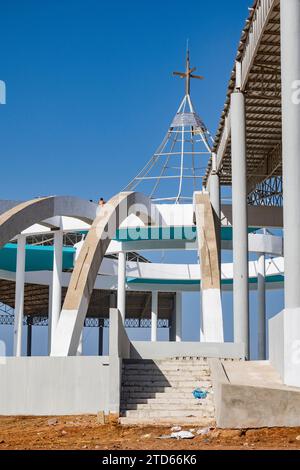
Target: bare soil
{"points": [[85, 432]]}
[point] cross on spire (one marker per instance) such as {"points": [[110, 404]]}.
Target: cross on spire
{"points": [[188, 74]]}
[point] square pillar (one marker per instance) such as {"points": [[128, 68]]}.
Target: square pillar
{"points": [[154, 314], [284, 328], [178, 327], [261, 307], [56, 281], [19, 294], [121, 300]]}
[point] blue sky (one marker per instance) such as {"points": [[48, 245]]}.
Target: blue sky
{"points": [[90, 92]]}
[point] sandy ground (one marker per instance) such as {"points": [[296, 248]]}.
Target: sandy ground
{"points": [[84, 432]]}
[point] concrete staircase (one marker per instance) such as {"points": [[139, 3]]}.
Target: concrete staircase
{"points": [[160, 392]]}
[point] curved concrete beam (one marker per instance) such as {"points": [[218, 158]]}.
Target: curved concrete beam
{"points": [[25, 214], [103, 229]]}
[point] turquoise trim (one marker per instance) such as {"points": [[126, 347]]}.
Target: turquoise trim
{"points": [[156, 233], [186, 233], [252, 280], [38, 258], [138, 280]]}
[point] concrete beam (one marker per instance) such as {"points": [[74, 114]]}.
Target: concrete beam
{"points": [[25, 214]]}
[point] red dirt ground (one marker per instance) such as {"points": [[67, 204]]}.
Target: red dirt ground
{"points": [[84, 432]]}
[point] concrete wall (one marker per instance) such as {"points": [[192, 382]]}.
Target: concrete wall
{"points": [[276, 342], [119, 349], [240, 405], [284, 345], [53, 385], [163, 349]]}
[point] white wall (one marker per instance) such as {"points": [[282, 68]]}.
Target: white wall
{"points": [[53, 385]]}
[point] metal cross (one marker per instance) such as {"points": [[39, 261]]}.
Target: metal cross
{"points": [[188, 74]]}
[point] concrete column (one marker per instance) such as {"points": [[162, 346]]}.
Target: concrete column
{"points": [[80, 345], [172, 328], [290, 79], [178, 316], [29, 335], [56, 280], [19, 294], [100, 337], [121, 302], [49, 317], [240, 223], [261, 307], [154, 315], [284, 329]]}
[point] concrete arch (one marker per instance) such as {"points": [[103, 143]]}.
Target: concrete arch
{"points": [[25, 214], [103, 229]]}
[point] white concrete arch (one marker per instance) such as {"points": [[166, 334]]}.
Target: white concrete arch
{"points": [[25, 214], [103, 229]]}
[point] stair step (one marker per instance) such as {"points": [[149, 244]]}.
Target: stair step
{"points": [[171, 407], [166, 375], [168, 413], [167, 400], [168, 394], [144, 382], [154, 388], [181, 421], [164, 368]]}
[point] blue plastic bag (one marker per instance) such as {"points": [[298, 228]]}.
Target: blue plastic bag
{"points": [[200, 394]]}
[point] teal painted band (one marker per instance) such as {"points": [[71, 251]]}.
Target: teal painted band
{"points": [[252, 280], [186, 233], [38, 258]]}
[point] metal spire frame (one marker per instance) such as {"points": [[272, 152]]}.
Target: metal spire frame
{"points": [[182, 155]]}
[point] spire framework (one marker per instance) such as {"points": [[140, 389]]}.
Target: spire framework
{"points": [[177, 168]]}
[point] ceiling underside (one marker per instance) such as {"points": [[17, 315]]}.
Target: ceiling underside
{"points": [[262, 91], [138, 304]]}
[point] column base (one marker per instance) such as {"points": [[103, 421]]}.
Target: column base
{"points": [[284, 345], [212, 319]]}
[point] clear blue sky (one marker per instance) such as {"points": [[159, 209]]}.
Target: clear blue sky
{"points": [[90, 92]]}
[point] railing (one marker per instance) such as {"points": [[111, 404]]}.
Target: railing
{"points": [[260, 18], [8, 319]]}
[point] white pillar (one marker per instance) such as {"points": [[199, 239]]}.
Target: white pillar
{"points": [[178, 316], [290, 76], [284, 340], [56, 280], [240, 223], [154, 315], [19, 294], [80, 345], [261, 304], [121, 301], [49, 317]]}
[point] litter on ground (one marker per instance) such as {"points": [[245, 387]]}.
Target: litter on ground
{"points": [[200, 394]]}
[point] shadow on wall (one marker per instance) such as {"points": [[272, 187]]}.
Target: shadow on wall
{"points": [[141, 380]]}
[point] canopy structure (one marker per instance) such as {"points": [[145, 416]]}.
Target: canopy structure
{"points": [[178, 166]]}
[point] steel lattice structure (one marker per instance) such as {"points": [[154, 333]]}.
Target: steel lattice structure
{"points": [[267, 193], [178, 166]]}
